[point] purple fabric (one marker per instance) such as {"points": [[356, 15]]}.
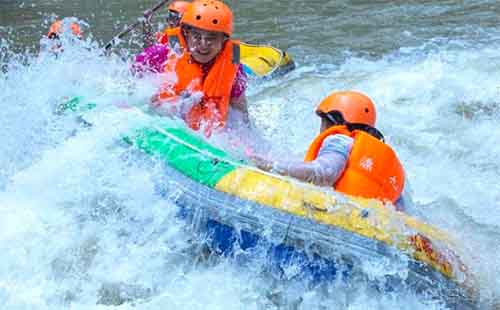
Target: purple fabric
{"points": [[240, 83], [152, 59]]}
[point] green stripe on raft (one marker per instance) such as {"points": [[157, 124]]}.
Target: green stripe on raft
{"points": [[184, 151]]}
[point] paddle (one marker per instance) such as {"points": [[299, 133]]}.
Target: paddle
{"points": [[147, 14]]}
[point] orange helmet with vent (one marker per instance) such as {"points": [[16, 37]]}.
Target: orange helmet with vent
{"points": [[179, 6], [354, 107], [209, 15]]}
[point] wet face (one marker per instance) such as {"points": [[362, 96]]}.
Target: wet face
{"points": [[204, 45]]}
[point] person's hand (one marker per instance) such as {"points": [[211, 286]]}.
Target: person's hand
{"points": [[262, 162]]}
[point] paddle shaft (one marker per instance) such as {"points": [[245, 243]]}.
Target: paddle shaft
{"points": [[139, 21]]}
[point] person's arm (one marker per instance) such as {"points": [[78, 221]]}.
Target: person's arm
{"points": [[325, 170]]}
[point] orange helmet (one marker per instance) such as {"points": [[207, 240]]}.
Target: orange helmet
{"points": [[210, 15], [179, 6], [56, 29], [354, 107]]}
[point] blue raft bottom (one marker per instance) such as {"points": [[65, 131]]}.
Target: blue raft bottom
{"points": [[226, 241]]}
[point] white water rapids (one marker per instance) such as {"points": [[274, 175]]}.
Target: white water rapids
{"points": [[82, 226]]}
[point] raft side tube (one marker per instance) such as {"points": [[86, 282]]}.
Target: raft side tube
{"points": [[320, 250]]}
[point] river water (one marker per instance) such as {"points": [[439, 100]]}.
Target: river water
{"points": [[82, 225]]}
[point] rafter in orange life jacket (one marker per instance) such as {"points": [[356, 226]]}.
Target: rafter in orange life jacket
{"points": [[212, 111], [373, 170]]}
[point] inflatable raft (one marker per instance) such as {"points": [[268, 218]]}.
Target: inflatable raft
{"points": [[322, 234], [319, 233]]}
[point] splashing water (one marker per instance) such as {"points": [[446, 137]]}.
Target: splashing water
{"points": [[83, 225]]}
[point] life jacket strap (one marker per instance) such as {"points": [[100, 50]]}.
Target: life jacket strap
{"points": [[236, 53]]}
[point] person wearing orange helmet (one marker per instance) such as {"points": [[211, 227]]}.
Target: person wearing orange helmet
{"points": [[175, 11], [153, 57], [204, 76], [349, 153], [57, 28]]}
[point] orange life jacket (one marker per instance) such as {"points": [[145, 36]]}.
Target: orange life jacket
{"points": [[373, 170], [216, 85]]}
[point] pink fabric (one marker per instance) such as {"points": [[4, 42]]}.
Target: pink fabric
{"points": [[152, 59], [240, 83]]}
